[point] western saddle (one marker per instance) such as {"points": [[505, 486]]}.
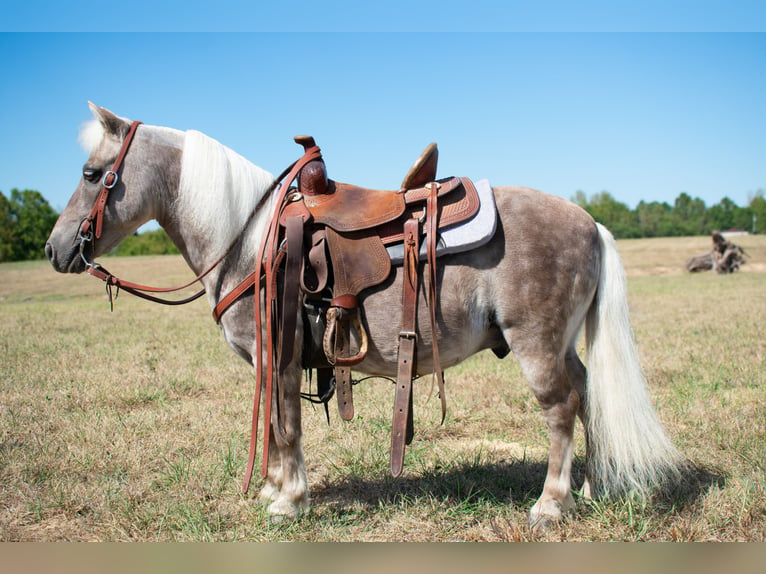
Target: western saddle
{"points": [[326, 243]]}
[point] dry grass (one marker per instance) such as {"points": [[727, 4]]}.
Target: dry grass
{"points": [[133, 425]]}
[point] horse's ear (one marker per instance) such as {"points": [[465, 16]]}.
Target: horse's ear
{"points": [[112, 123]]}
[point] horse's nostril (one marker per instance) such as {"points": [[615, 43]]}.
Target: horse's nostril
{"points": [[49, 252]]}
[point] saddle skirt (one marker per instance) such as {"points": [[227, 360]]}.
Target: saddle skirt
{"points": [[463, 236]]}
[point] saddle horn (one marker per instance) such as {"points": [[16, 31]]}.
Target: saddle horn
{"points": [[312, 179]]}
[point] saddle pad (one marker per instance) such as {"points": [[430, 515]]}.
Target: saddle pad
{"points": [[462, 236]]}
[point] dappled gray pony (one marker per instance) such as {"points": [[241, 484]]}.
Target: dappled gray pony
{"points": [[548, 270]]}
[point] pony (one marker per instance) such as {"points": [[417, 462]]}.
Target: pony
{"points": [[548, 271]]}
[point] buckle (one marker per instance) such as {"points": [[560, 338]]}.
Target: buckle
{"points": [[113, 181]]}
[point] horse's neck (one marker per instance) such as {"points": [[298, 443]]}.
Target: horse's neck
{"points": [[217, 193]]}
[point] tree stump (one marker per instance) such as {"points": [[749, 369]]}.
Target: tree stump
{"points": [[724, 257]]}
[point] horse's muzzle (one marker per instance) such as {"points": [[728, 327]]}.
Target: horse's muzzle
{"points": [[64, 262]]}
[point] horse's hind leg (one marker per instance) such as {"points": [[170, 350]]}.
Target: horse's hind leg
{"points": [[578, 376], [546, 372]]}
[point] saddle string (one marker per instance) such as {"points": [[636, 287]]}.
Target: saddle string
{"points": [[431, 230]]}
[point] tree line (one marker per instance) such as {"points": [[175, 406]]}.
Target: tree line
{"points": [[686, 216], [26, 220]]}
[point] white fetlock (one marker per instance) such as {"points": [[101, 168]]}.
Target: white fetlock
{"points": [[284, 509], [586, 490], [269, 493]]}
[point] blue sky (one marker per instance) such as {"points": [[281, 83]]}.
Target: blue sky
{"points": [[643, 114]]}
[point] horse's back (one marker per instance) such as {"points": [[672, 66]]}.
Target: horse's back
{"points": [[541, 267], [536, 219]]}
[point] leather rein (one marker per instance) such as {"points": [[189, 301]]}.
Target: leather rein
{"points": [[91, 229]]}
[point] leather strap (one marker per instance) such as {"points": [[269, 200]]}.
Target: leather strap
{"points": [[265, 263], [343, 387], [401, 427], [432, 225], [107, 184], [337, 344], [291, 285], [235, 294]]}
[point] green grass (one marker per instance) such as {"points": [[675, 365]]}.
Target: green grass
{"points": [[133, 425]]}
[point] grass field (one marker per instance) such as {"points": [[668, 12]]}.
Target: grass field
{"points": [[133, 425]]}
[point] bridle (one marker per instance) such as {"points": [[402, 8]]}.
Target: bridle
{"points": [[91, 228]]}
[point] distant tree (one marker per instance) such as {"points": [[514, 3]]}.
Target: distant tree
{"points": [[757, 207], [728, 215], [721, 215], [615, 215], [154, 242], [6, 229], [580, 199], [26, 219], [689, 216], [654, 219]]}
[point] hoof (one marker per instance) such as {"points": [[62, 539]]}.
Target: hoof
{"points": [[546, 513], [283, 510], [277, 519], [541, 524]]}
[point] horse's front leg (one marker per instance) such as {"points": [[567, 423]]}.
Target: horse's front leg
{"points": [[286, 487], [270, 490]]}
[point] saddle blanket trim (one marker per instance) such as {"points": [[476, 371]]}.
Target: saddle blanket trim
{"points": [[462, 236]]}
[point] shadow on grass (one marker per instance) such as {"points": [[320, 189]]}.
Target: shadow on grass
{"points": [[517, 483], [696, 481]]}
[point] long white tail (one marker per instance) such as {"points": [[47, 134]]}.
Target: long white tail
{"points": [[628, 448]]}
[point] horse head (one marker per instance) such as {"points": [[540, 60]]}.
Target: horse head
{"points": [[130, 192]]}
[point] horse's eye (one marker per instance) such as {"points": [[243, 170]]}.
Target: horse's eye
{"points": [[91, 174]]}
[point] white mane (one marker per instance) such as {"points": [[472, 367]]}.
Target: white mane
{"points": [[218, 191]]}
